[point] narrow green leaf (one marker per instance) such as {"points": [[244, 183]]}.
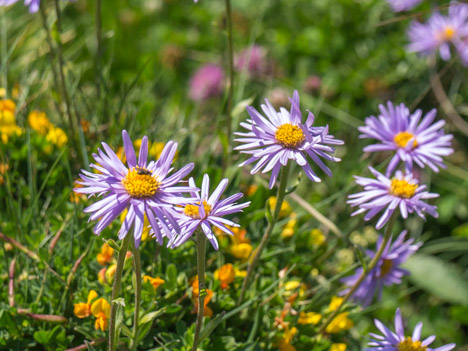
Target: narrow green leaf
{"points": [[208, 329]]}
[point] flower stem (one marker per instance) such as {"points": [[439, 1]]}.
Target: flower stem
{"points": [[271, 225], [231, 77], [99, 48], [201, 247], [365, 273], [116, 290], [137, 285]]}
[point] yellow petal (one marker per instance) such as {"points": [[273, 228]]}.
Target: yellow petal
{"points": [[99, 307], [81, 310], [91, 296]]}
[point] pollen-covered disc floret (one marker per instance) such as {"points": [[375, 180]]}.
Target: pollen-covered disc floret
{"points": [[140, 183], [273, 140], [289, 136], [403, 189], [413, 140], [387, 195], [193, 210], [398, 341], [143, 189], [440, 32], [203, 211], [387, 271]]}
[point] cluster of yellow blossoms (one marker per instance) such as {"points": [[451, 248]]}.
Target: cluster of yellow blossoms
{"points": [[8, 126], [39, 122], [100, 309]]}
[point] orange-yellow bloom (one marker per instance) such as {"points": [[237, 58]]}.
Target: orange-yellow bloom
{"points": [[101, 310], [207, 312], [82, 309], [309, 318], [340, 323], [335, 303], [39, 122], [156, 282], [225, 275], [284, 343], [105, 256], [338, 347]]}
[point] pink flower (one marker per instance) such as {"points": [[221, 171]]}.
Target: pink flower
{"points": [[207, 82]]}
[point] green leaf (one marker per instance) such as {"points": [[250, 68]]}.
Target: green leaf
{"points": [[114, 245], [208, 329], [149, 317], [171, 273], [42, 337], [119, 301], [438, 277], [241, 105]]}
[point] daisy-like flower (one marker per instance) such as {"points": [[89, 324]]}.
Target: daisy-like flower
{"points": [[387, 271], [142, 189], [387, 194], [414, 141], [281, 137], [403, 5], [204, 211], [440, 31], [398, 341]]}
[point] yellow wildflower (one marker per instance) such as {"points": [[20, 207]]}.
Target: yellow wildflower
{"points": [[57, 137], [110, 272], [240, 273], [101, 310], [252, 189], [105, 256], [83, 309], [338, 347], [7, 112], [39, 122], [225, 274], [284, 343], [309, 318], [102, 275], [2, 92], [241, 251], [335, 303], [285, 207], [7, 131], [3, 169], [339, 323], [15, 91], [292, 285], [207, 312], [316, 237], [155, 282], [288, 229]]}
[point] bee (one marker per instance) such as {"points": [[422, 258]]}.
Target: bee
{"points": [[143, 171]]}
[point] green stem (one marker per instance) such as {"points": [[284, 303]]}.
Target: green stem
{"points": [[99, 48], [201, 247], [365, 273], [137, 284], [231, 78], [116, 290], [271, 225]]}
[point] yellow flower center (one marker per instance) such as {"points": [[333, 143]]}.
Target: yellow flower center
{"points": [[386, 267], [192, 210], [409, 345], [448, 33], [402, 188], [402, 139], [140, 183], [289, 136]]}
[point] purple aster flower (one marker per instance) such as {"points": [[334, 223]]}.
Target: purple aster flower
{"points": [[440, 31], [253, 60], [142, 188], [413, 140], [387, 271], [207, 82], [281, 137], [204, 211], [403, 5], [397, 341], [33, 4], [387, 194]]}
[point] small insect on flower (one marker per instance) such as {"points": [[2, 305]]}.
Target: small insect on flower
{"points": [[397, 341], [387, 271], [413, 140], [281, 136], [440, 31], [385, 194], [204, 211], [143, 189]]}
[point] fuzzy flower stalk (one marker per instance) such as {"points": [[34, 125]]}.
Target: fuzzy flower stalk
{"points": [[272, 142], [200, 213], [142, 189], [398, 341], [386, 272]]}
